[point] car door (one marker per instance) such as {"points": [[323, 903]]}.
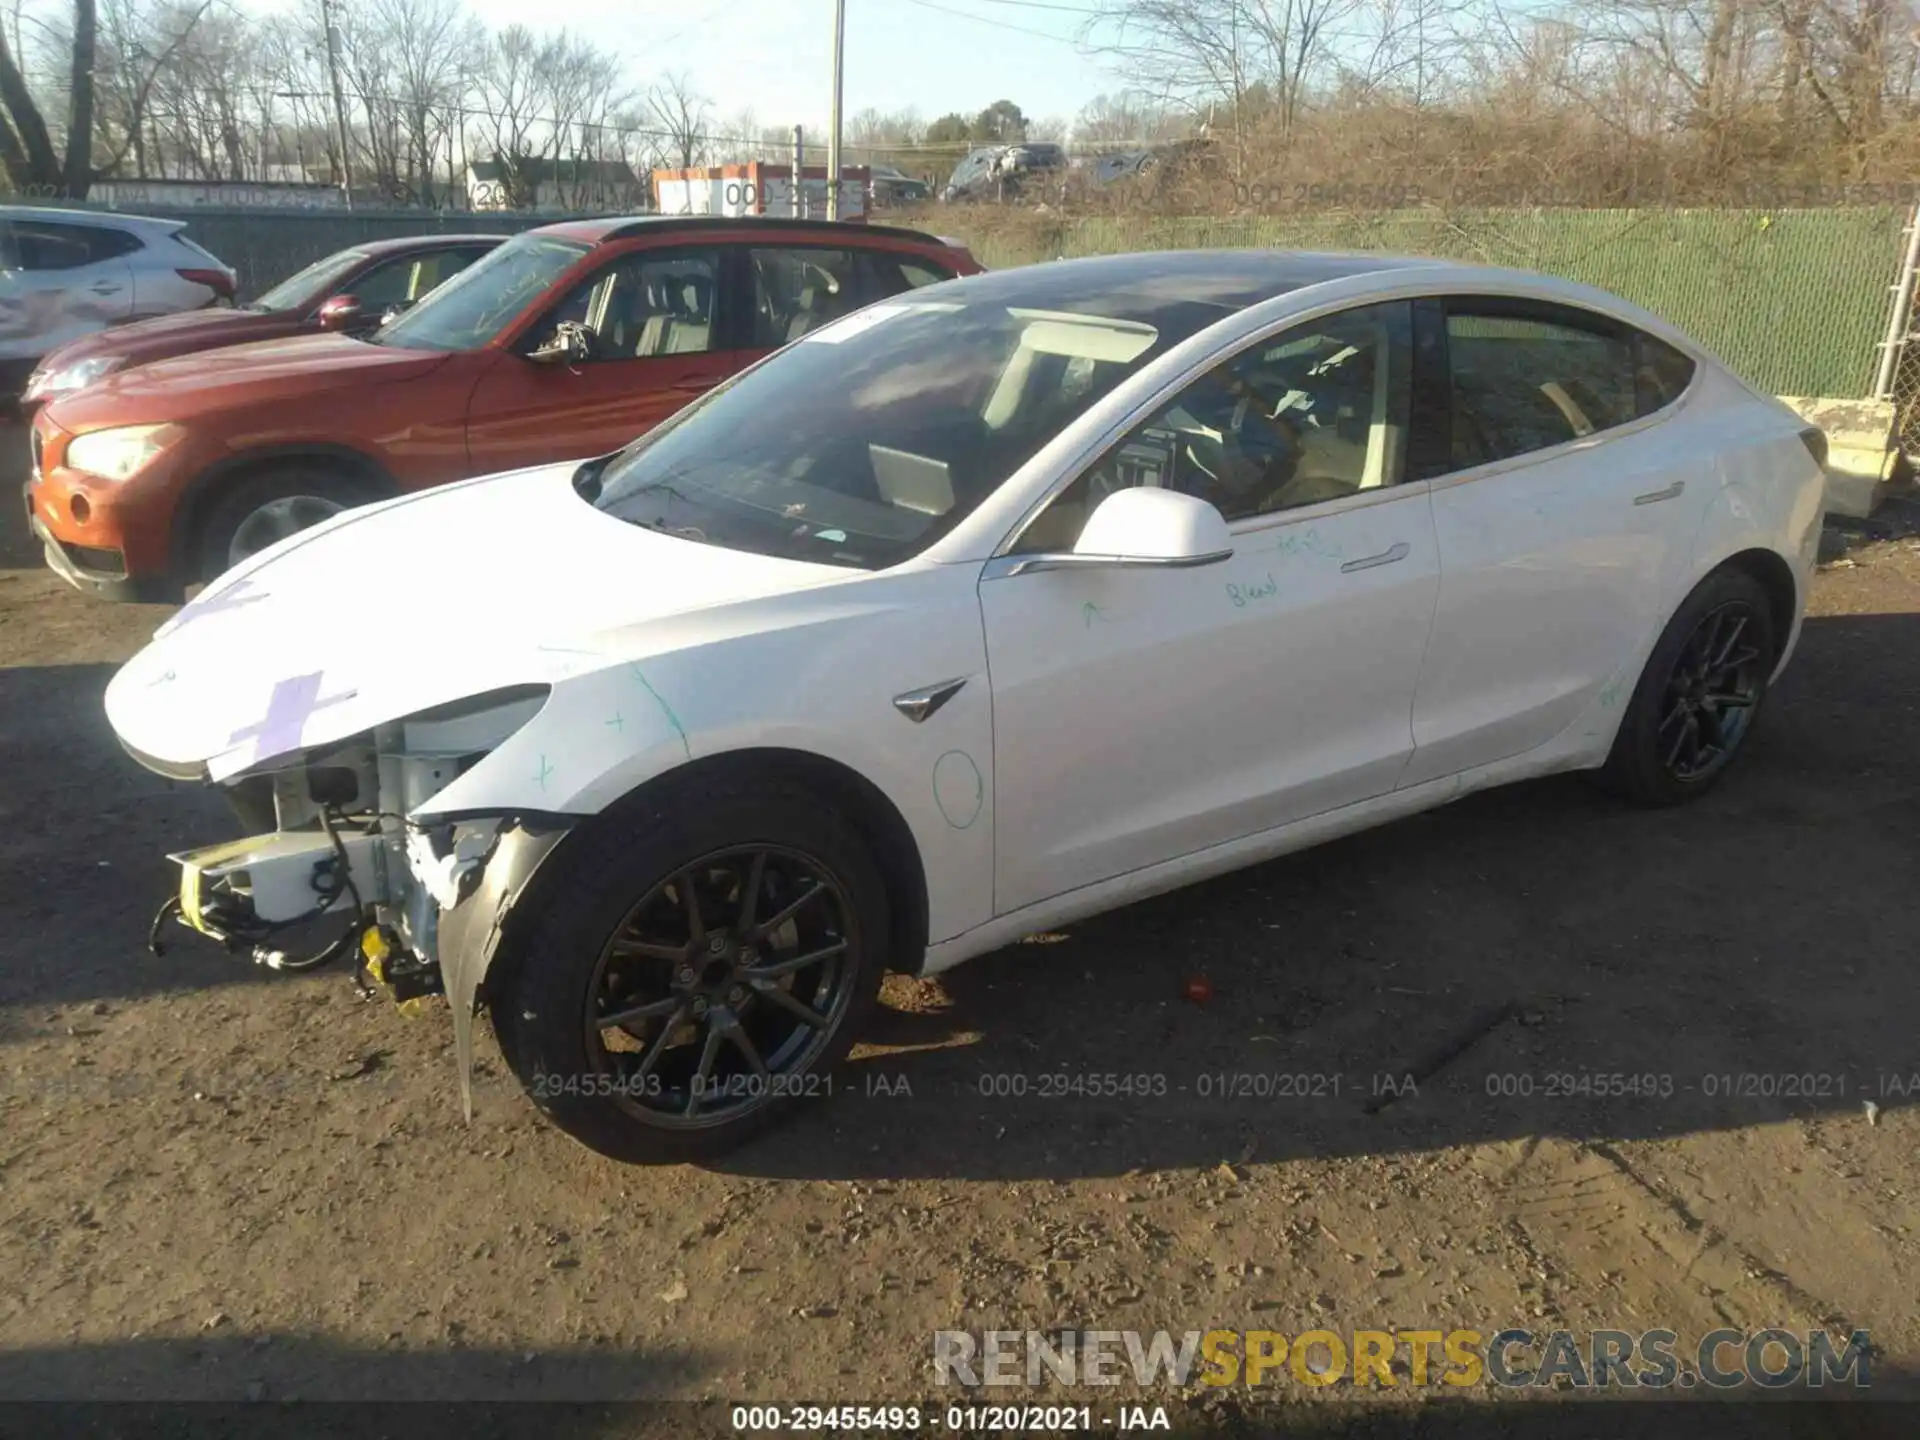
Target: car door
{"points": [[59, 282], [1144, 714], [658, 321], [1561, 506]]}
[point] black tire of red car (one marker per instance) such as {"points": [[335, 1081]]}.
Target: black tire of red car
{"points": [[616, 882], [307, 489], [1705, 682]]}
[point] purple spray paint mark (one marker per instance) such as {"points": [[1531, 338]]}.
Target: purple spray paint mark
{"points": [[288, 710]]}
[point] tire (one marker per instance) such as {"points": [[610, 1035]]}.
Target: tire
{"points": [[1665, 752], [295, 496], [623, 1090]]}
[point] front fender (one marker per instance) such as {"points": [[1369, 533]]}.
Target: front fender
{"points": [[469, 933], [821, 683]]}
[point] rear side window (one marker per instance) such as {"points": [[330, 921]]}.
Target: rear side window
{"points": [[799, 289], [44, 245], [1528, 380], [897, 274], [1661, 376], [180, 237]]}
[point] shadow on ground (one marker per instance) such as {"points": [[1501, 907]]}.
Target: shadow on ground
{"points": [[1745, 958]]}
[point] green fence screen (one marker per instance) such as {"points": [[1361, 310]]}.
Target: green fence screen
{"points": [[1796, 301]]}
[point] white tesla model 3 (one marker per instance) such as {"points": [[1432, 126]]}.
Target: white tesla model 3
{"points": [[1008, 602]]}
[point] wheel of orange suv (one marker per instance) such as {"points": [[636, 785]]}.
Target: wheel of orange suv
{"points": [[265, 508], [697, 971]]}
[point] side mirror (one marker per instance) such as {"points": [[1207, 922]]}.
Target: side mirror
{"points": [[339, 312], [570, 345], [1141, 528]]}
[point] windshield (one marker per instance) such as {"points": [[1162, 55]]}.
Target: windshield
{"points": [[304, 287], [863, 443], [473, 307]]}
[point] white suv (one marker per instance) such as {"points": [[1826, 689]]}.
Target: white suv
{"points": [[66, 273]]}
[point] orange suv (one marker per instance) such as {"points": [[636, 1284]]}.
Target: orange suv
{"points": [[566, 342]]}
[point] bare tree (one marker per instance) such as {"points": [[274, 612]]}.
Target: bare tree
{"points": [[201, 101], [1128, 117], [27, 150], [508, 95], [683, 115], [1251, 55]]}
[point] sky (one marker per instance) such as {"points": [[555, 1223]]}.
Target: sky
{"points": [[775, 57]]}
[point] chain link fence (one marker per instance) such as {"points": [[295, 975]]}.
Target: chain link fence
{"points": [[1898, 379], [1793, 300]]}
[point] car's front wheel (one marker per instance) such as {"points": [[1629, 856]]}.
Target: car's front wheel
{"points": [[697, 971], [1699, 694], [266, 508]]}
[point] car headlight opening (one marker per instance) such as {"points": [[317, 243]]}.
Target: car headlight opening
{"points": [[121, 453], [76, 375]]}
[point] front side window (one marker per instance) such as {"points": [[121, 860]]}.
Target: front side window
{"points": [[1317, 412], [798, 290], [644, 305], [896, 274], [863, 443], [384, 285], [477, 305], [406, 279], [311, 285]]}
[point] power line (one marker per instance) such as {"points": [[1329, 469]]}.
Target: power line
{"points": [[1319, 33], [1044, 5], [997, 24]]}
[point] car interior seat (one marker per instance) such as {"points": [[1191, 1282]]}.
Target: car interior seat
{"points": [[690, 330], [806, 316]]}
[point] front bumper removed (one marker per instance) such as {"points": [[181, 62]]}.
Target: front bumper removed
{"points": [[418, 923]]}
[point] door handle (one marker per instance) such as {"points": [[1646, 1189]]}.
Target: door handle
{"points": [[1654, 497], [105, 287], [1400, 551]]}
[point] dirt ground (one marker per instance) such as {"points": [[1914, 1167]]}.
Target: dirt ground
{"points": [[217, 1183]]}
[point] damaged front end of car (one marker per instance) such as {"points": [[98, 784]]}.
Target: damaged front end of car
{"points": [[346, 833]]}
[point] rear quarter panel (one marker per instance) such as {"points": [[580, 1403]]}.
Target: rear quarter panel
{"points": [[1771, 496]]}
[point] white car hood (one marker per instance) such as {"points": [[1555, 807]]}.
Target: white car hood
{"points": [[396, 608]]}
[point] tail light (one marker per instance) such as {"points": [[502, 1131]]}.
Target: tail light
{"points": [[218, 281], [1815, 439]]}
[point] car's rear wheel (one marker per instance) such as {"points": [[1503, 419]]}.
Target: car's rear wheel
{"points": [[697, 971], [266, 508], [1700, 693]]}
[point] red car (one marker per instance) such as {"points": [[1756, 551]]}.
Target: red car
{"points": [[566, 342], [350, 290]]}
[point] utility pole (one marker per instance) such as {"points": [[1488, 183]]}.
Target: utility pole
{"points": [[799, 166], [339, 99], [833, 131]]}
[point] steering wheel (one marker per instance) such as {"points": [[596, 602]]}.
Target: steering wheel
{"points": [[1276, 455]]}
